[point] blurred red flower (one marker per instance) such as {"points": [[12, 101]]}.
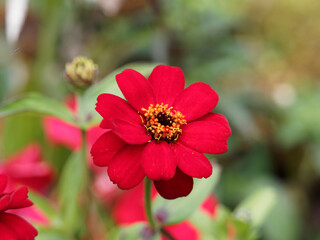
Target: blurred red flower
{"points": [[209, 206], [11, 225], [27, 168], [161, 131], [130, 209]]}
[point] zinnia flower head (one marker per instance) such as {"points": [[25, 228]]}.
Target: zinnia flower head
{"points": [[161, 132], [12, 226]]}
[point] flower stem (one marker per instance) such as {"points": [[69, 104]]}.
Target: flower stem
{"points": [[147, 198], [165, 233], [81, 116], [84, 145]]}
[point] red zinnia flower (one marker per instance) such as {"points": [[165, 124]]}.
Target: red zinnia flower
{"points": [[161, 132], [12, 226], [27, 168]]}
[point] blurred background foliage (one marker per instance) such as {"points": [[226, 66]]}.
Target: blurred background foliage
{"points": [[260, 56]]}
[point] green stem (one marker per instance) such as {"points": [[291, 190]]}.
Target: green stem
{"points": [[147, 198], [165, 233], [84, 145], [81, 117], [81, 120], [87, 201]]}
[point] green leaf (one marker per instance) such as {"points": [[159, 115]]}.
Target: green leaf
{"points": [[222, 226], [257, 206], [50, 234], [109, 85], [243, 230], [26, 126], [284, 221], [36, 103], [203, 222], [137, 231], [181, 208], [219, 226], [71, 186]]}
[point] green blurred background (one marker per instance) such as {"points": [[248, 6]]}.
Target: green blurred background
{"points": [[262, 57]]}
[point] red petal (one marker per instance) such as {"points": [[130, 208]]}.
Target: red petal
{"points": [[217, 118], [30, 154], [19, 198], [132, 134], [167, 82], [136, 89], [4, 202], [159, 161], [105, 148], [105, 124], [93, 134], [208, 136], [210, 205], [21, 227], [125, 169], [113, 107], [178, 186], [62, 133], [3, 183], [71, 102], [196, 100], [27, 168], [182, 231], [37, 176], [191, 162], [33, 214], [7, 232]]}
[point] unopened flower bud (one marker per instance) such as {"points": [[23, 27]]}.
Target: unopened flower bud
{"points": [[81, 72]]}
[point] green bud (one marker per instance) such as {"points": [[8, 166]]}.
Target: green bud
{"points": [[81, 72]]}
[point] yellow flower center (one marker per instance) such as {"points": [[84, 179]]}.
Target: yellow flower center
{"points": [[163, 123]]}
